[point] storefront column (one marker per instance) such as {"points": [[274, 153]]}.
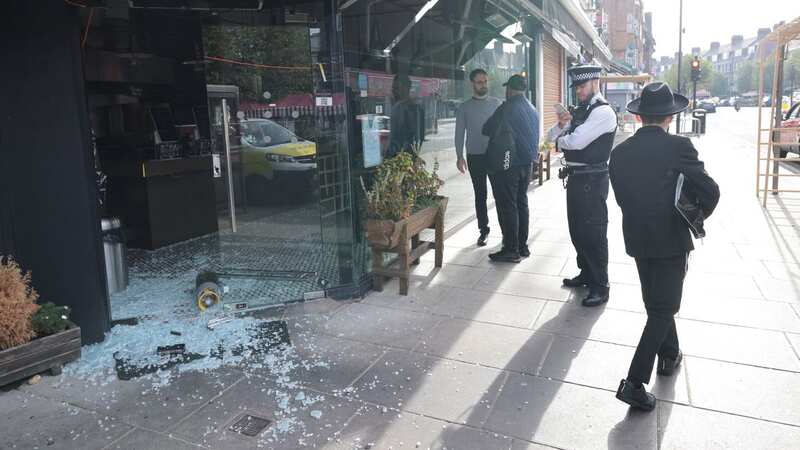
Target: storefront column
{"points": [[51, 223]]}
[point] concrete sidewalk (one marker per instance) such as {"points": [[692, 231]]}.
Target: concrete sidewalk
{"points": [[490, 356]]}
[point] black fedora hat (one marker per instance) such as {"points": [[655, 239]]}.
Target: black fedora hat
{"points": [[657, 99]]}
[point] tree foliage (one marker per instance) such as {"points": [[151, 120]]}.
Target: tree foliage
{"points": [[707, 75], [747, 74], [254, 45]]}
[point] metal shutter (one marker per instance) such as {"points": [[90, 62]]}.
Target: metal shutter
{"points": [[552, 56]]}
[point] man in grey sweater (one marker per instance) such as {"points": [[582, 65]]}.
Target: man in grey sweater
{"points": [[471, 116]]}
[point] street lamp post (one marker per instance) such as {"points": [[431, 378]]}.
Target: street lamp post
{"points": [[680, 59]]}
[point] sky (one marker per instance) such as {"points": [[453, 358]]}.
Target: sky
{"points": [[713, 20]]}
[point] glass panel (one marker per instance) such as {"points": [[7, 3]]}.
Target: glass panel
{"points": [[223, 135], [408, 69]]}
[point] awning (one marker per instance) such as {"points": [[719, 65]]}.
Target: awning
{"points": [[570, 46], [644, 78], [566, 18]]}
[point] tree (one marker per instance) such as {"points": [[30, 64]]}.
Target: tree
{"points": [[253, 47], [747, 77], [707, 75], [720, 86]]}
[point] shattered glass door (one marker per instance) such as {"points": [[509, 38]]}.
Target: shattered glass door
{"points": [[264, 122]]}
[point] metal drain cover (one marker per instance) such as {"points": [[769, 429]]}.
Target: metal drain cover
{"points": [[249, 425]]}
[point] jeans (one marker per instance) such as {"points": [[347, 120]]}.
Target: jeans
{"points": [[510, 190], [477, 171]]}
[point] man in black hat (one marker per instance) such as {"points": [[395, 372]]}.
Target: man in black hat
{"points": [[586, 136], [510, 186], [644, 171]]}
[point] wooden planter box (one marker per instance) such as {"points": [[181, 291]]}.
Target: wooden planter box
{"points": [[48, 353], [402, 238]]}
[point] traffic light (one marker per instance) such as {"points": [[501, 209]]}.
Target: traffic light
{"points": [[696, 70]]}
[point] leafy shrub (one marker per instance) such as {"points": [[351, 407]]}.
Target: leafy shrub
{"points": [[401, 186], [17, 304], [50, 319]]}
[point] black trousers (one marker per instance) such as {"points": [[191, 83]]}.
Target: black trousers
{"points": [[587, 216], [510, 190], [662, 288], [477, 171]]}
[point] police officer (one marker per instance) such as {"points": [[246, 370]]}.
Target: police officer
{"points": [[585, 136]]}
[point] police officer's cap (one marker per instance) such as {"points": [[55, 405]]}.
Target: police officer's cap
{"points": [[582, 73]]}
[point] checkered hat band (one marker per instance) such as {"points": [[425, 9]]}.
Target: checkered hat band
{"points": [[586, 76]]}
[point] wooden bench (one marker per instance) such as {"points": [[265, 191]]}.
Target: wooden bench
{"points": [[409, 247]]}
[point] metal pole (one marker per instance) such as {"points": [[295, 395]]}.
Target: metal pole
{"points": [[680, 60], [226, 125]]}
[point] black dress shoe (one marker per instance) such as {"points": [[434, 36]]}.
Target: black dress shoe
{"points": [[482, 238], [505, 256], [637, 397], [575, 282], [596, 297], [668, 366], [524, 251]]}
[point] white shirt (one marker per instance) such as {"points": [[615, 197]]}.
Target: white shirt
{"points": [[602, 120]]}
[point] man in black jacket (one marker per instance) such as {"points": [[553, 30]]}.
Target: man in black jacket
{"points": [[644, 171]]}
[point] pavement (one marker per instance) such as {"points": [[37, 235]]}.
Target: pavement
{"points": [[492, 356]]}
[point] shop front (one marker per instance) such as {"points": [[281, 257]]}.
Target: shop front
{"points": [[232, 139]]}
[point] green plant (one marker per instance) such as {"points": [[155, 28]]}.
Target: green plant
{"points": [[401, 186], [17, 304], [50, 319]]}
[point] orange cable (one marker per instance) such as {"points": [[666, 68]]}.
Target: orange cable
{"points": [[260, 66], [86, 30]]}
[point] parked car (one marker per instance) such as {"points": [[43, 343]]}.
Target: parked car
{"points": [[707, 105], [789, 139], [724, 102], [275, 158]]}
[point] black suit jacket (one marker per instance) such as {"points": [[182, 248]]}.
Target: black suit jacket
{"points": [[644, 172]]}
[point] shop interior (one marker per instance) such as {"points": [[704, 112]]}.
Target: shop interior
{"points": [[194, 190], [223, 142]]}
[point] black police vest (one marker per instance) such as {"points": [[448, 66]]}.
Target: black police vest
{"points": [[599, 150]]}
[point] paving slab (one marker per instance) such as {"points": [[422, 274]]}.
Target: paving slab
{"points": [[761, 314], [139, 439], [29, 421], [736, 344], [145, 402], [328, 364], [420, 300], [750, 391], [524, 284], [300, 418], [682, 427], [602, 324], [448, 390], [372, 427], [569, 416], [524, 445], [501, 309], [490, 345], [603, 365], [538, 264], [448, 275], [780, 290], [720, 285], [617, 272], [380, 326]]}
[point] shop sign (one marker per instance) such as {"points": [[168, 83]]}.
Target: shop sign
{"points": [[324, 100]]}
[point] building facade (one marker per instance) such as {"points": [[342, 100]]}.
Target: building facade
{"points": [[728, 58], [626, 30], [237, 138]]}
